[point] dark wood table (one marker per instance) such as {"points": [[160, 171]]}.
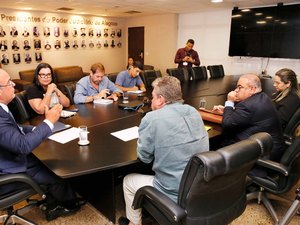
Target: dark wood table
{"points": [[95, 169]]}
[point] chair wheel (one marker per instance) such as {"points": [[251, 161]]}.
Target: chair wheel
{"points": [[43, 207]]}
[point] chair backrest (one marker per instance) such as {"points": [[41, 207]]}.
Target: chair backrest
{"points": [[199, 73], [112, 76], [20, 108], [180, 73], [69, 90], [212, 188], [149, 76], [216, 71], [290, 129]]}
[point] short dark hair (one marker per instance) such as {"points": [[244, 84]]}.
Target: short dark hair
{"points": [[137, 64], [191, 41]]}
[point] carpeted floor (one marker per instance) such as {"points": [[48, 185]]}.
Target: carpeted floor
{"points": [[254, 214]]}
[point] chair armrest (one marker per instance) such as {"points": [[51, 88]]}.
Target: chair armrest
{"points": [[273, 166], [160, 200], [23, 178]]}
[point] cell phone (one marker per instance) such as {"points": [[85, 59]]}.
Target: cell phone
{"points": [[73, 110]]}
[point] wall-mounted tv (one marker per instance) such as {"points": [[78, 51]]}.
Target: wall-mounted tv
{"points": [[272, 32]]}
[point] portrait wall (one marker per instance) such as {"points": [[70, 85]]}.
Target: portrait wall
{"points": [[24, 42]]}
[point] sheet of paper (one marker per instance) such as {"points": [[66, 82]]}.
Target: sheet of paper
{"points": [[136, 92], [66, 135], [127, 134]]}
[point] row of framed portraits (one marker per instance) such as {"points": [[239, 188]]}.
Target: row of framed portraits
{"points": [[37, 44], [17, 58], [47, 31]]}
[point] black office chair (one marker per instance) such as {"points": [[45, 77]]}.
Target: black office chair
{"points": [[199, 73], [181, 73], [216, 71], [289, 132], [112, 77], [20, 108], [10, 198], [280, 178], [149, 76], [212, 187], [69, 90]]}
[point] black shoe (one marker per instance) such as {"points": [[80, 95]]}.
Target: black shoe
{"points": [[123, 221], [80, 202], [59, 211]]}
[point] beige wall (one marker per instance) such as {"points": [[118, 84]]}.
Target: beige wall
{"points": [[160, 39], [112, 58]]}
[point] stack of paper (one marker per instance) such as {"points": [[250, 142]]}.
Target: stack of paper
{"points": [[103, 101]]}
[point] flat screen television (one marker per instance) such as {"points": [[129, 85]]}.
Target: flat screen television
{"points": [[272, 32]]}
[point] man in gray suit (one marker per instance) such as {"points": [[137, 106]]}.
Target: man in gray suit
{"points": [[16, 146]]}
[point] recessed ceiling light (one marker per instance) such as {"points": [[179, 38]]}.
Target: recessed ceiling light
{"points": [[216, 1]]}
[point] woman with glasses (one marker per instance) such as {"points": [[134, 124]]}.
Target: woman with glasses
{"points": [[44, 91], [287, 96]]}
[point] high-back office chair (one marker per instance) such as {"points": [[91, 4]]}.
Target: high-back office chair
{"points": [[290, 129], [216, 71], [112, 77], [20, 108], [212, 187], [180, 73], [69, 90], [281, 177], [199, 73], [149, 76], [10, 198]]}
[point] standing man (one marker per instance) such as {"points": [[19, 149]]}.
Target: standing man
{"points": [[95, 86], [16, 146], [247, 111], [130, 80], [186, 57], [168, 137]]}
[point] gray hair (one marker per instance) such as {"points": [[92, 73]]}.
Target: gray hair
{"points": [[169, 87], [253, 81]]}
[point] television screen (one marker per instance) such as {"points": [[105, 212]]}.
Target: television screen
{"points": [[266, 32]]}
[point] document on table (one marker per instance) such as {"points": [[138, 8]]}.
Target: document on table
{"points": [[136, 92], [66, 135], [127, 134]]}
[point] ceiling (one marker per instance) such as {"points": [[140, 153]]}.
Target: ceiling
{"points": [[133, 8]]}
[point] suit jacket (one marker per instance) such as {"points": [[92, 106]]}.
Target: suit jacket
{"points": [[15, 145], [254, 114]]}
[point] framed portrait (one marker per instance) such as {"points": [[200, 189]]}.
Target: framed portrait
{"points": [[17, 58], [26, 45], [36, 31], [37, 44], [4, 59], [38, 56], [14, 31], [15, 45], [3, 45], [27, 58]]}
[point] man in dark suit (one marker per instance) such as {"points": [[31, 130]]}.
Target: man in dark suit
{"points": [[247, 111], [16, 146]]}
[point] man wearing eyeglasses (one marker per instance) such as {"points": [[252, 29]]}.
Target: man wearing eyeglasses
{"points": [[247, 111], [16, 146]]}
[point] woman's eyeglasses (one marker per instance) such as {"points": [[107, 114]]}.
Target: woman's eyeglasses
{"points": [[44, 75]]}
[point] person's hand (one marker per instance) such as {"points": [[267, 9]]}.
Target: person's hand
{"points": [[218, 109], [134, 88], [51, 88], [232, 96], [53, 114], [143, 89], [102, 94], [185, 59], [113, 96]]}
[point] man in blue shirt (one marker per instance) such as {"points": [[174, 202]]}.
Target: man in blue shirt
{"points": [[129, 80], [95, 86], [168, 137]]}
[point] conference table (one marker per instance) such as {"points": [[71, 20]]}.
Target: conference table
{"points": [[94, 170]]}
